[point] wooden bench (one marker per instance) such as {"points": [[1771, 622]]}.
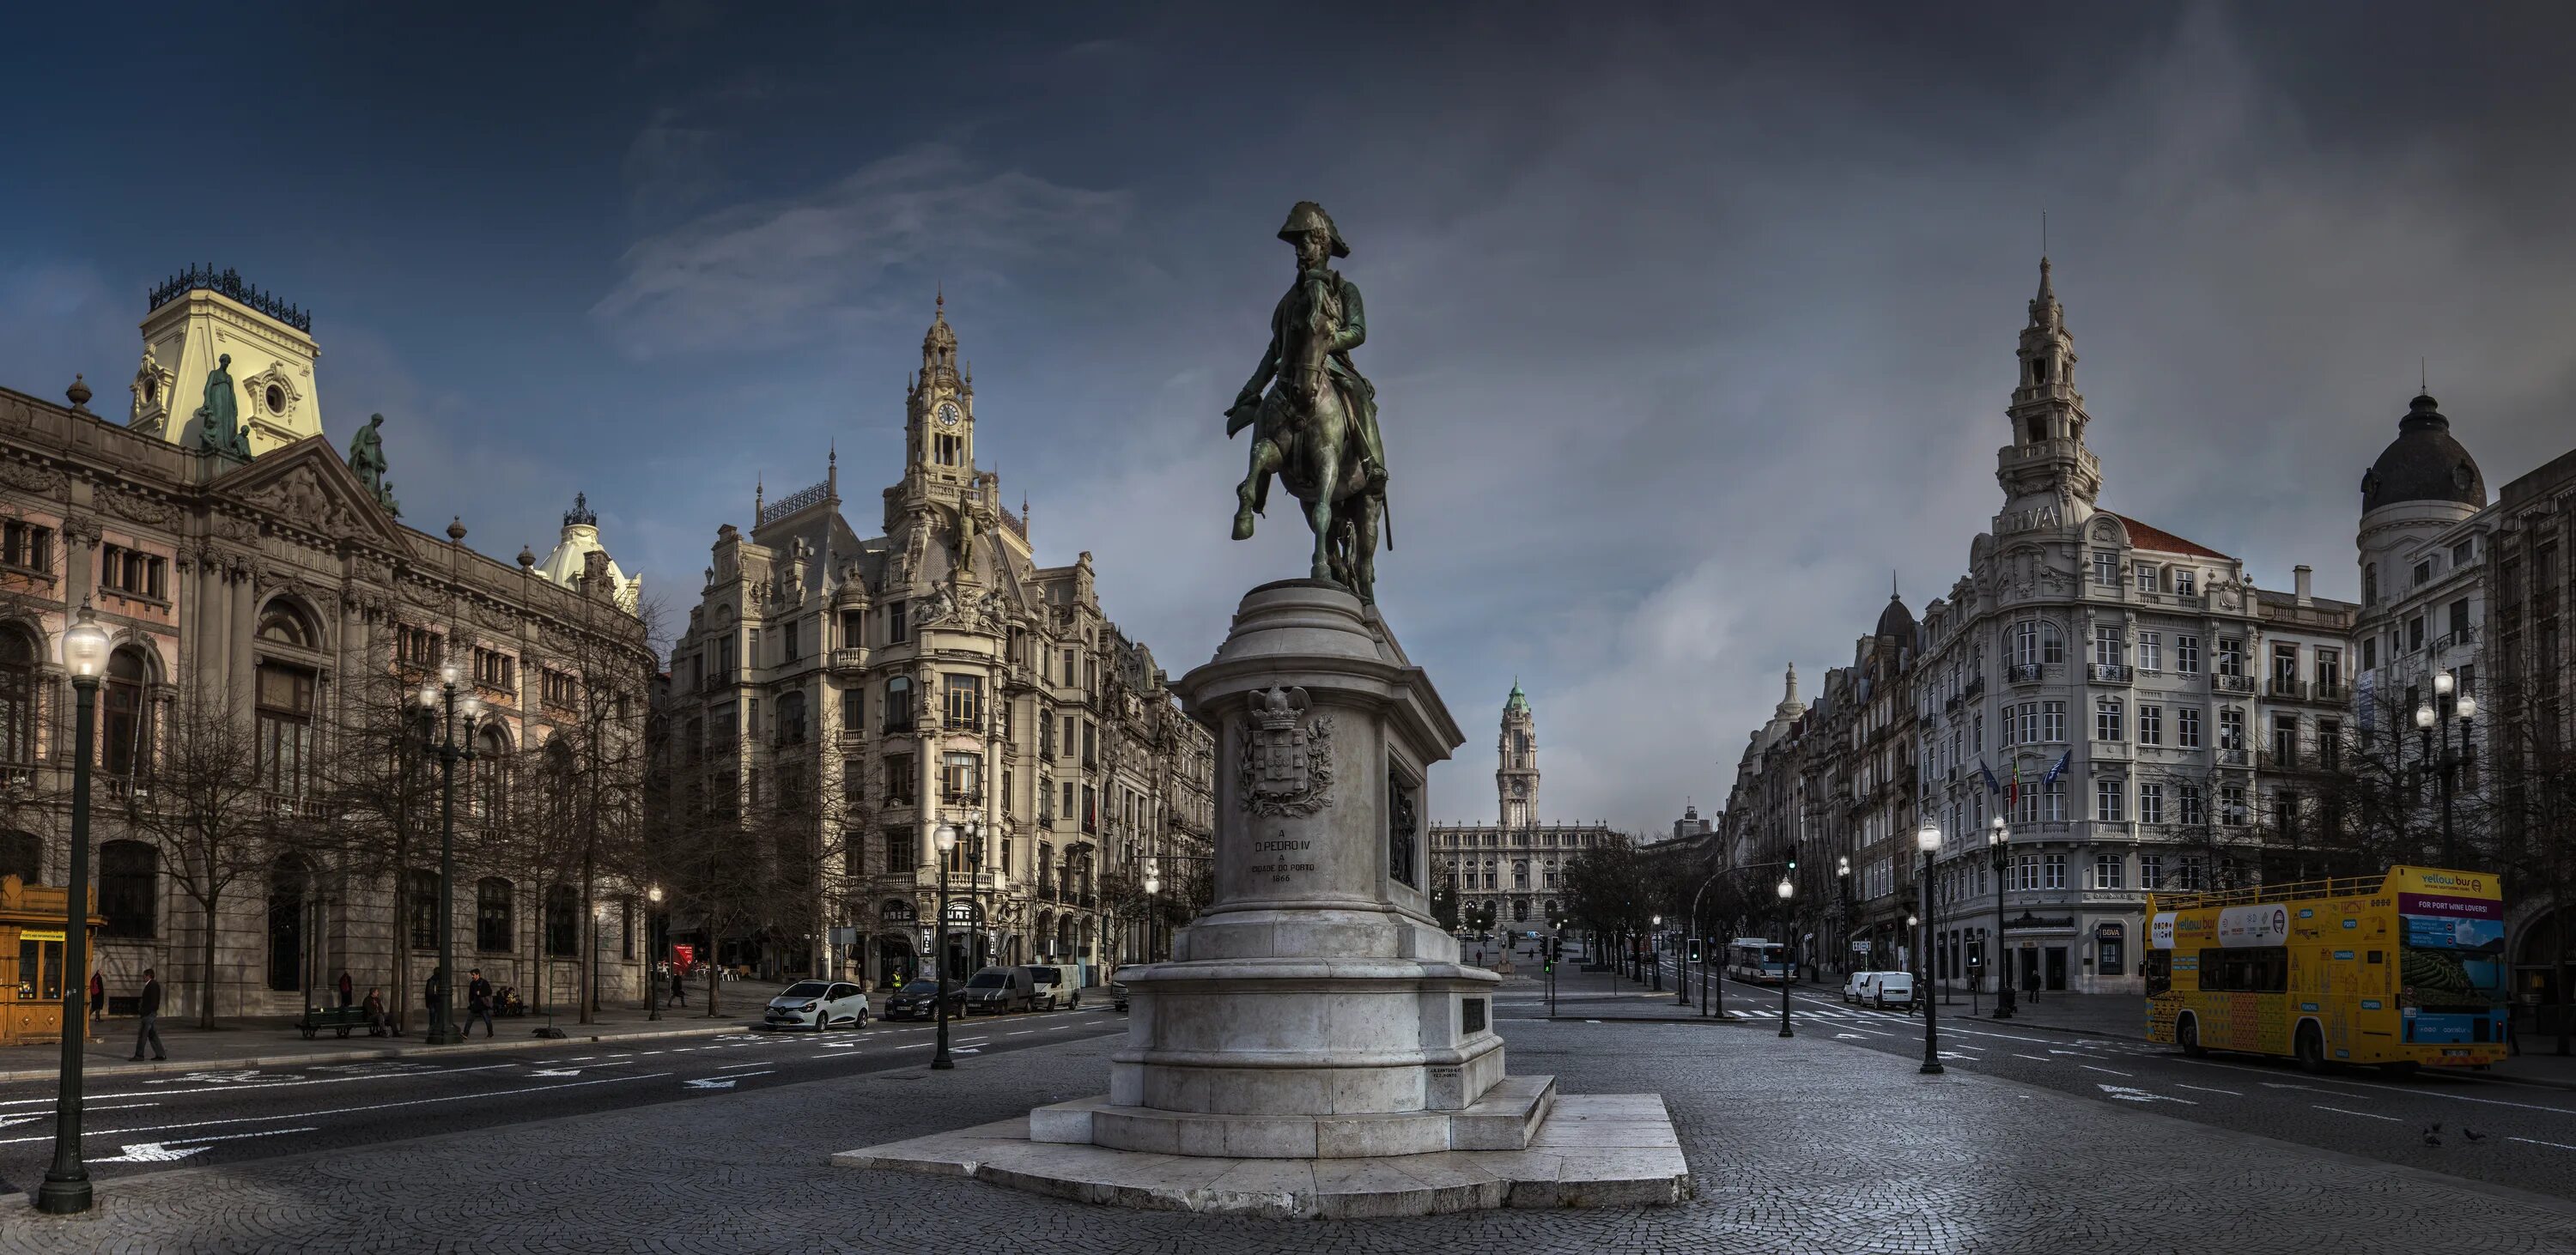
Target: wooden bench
{"points": [[340, 1019]]}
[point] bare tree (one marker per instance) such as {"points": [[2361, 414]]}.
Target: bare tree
{"points": [[381, 783], [211, 799]]}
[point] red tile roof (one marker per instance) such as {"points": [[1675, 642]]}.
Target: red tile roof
{"points": [[2162, 541]]}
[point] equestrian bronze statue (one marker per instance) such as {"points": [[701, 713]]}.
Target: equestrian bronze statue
{"points": [[1314, 416]]}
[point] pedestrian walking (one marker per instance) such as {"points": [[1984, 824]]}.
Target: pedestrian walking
{"points": [[679, 988], [150, 1010], [97, 1001], [347, 987], [478, 1003], [2030, 984]]}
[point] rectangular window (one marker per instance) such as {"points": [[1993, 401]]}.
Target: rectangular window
{"points": [[854, 709], [898, 623], [898, 789], [2106, 568], [133, 572], [2110, 871], [2369, 652], [2106, 719], [2151, 868], [2026, 872], [2285, 668], [2107, 796], [2230, 660], [2187, 727], [791, 644], [2186, 654], [961, 779], [2194, 806], [2025, 645], [2183, 582], [2053, 802], [2052, 722], [2464, 552], [899, 848], [2052, 871], [962, 701], [2231, 805], [2146, 578], [2231, 729], [2423, 572], [2415, 633], [2330, 744], [2329, 670], [2151, 651], [27, 546], [854, 778], [2151, 725], [2106, 646], [2459, 616], [1068, 799], [2151, 803], [854, 629]]}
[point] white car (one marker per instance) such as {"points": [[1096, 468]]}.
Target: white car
{"points": [[818, 1005]]}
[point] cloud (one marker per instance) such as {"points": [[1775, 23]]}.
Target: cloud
{"points": [[847, 258]]}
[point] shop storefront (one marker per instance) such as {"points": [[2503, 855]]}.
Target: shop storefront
{"points": [[32, 960]]}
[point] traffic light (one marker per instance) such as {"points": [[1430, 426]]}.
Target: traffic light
{"points": [[1694, 951]]}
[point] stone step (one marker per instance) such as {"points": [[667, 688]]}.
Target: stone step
{"points": [[1504, 1119], [1506, 1116]]}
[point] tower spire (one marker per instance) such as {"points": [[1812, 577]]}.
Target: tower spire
{"points": [[2048, 476]]}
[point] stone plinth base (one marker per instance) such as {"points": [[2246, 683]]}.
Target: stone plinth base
{"points": [[1594, 1150], [1504, 1119]]}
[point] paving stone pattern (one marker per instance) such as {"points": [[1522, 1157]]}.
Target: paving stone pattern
{"points": [[1796, 1145]]}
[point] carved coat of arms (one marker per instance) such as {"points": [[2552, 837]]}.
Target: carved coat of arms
{"points": [[1287, 764]]}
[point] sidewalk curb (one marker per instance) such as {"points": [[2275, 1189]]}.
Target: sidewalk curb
{"points": [[1646, 1019], [381, 1052]]}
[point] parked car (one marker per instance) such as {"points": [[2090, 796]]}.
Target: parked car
{"points": [[1892, 990], [1118, 994], [1856, 986], [1052, 989], [818, 1005], [999, 989], [920, 1001]]}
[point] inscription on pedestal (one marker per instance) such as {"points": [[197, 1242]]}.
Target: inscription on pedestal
{"points": [[1281, 857], [1471, 1015]]}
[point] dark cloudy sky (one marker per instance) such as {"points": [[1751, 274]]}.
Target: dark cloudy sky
{"points": [[1690, 323]]}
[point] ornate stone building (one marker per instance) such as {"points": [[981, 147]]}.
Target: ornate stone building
{"points": [[837, 697], [1516, 864], [272, 615]]}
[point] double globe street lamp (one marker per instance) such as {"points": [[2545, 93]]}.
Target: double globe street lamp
{"points": [[946, 837], [66, 1189], [1928, 839], [2463, 706], [1786, 890], [443, 702], [1999, 845]]}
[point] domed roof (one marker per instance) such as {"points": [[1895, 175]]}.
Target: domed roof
{"points": [[1896, 620], [2423, 464]]}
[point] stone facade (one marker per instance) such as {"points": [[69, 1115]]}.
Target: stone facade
{"points": [[842, 694], [271, 616], [1514, 866]]}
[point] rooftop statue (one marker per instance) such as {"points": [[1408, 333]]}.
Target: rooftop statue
{"points": [[221, 413], [367, 462], [1314, 416]]}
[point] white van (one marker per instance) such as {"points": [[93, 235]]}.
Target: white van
{"points": [[1891, 990], [1856, 986]]}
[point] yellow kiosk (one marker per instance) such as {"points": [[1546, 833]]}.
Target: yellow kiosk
{"points": [[31, 961]]}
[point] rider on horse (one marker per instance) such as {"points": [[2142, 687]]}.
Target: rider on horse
{"points": [[1321, 297]]}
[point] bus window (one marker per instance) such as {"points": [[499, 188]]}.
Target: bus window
{"points": [[2157, 969]]}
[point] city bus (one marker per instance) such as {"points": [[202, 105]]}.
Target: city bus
{"points": [[2401, 970], [1756, 961]]}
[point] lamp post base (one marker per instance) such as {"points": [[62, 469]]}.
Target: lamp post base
{"points": [[1931, 1069], [63, 1198], [942, 1064]]}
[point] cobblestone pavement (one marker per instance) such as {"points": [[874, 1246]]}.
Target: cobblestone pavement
{"points": [[1797, 1145]]}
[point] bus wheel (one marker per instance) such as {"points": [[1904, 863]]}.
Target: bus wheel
{"points": [[2188, 1034], [2399, 1071], [2312, 1049]]}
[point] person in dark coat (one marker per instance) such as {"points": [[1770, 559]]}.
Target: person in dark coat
{"points": [[150, 1010], [2030, 985], [347, 988], [97, 1000], [478, 1003], [376, 1026], [679, 988]]}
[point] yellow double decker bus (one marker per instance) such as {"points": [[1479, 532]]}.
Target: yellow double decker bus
{"points": [[2399, 970]]}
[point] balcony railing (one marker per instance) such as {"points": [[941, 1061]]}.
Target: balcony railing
{"points": [[2331, 694], [2288, 689], [2231, 683], [2232, 757], [1976, 687], [849, 659], [2111, 673], [2022, 673]]}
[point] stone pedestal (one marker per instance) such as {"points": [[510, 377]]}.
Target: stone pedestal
{"points": [[1317, 1013], [1316, 1006]]}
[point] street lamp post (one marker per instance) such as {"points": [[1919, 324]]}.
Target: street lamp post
{"points": [[1153, 886], [1695, 937], [1999, 845], [1842, 884], [441, 703], [945, 837], [1786, 889], [1655, 952], [2463, 706], [66, 1188], [653, 954], [1928, 839]]}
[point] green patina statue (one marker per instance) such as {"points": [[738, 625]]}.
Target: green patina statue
{"points": [[1316, 423], [221, 414], [367, 462]]}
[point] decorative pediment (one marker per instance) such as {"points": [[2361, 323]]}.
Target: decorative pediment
{"points": [[305, 485]]}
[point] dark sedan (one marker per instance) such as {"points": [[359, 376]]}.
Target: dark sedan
{"points": [[920, 1001]]}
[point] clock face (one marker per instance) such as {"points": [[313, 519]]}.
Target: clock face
{"points": [[949, 414]]}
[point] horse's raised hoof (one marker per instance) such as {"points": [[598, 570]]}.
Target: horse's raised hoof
{"points": [[1243, 523]]}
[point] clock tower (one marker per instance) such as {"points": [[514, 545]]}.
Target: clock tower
{"points": [[1516, 779], [939, 432]]}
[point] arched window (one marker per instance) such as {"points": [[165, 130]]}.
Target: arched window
{"points": [[18, 655], [283, 624], [491, 791], [22, 855], [492, 923], [129, 888], [286, 898], [563, 921], [127, 747]]}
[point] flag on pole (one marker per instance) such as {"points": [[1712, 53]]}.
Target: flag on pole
{"points": [[1989, 774], [2012, 792], [2062, 760]]}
